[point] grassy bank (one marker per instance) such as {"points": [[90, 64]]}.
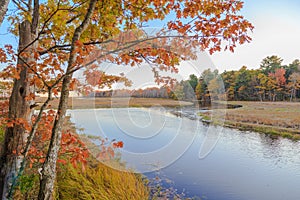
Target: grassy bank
{"points": [[273, 118], [107, 102], [109, 179]]}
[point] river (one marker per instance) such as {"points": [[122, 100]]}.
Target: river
{"points": [[235, 165]]}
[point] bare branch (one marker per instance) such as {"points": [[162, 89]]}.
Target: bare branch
{"points": [[19, 6]]}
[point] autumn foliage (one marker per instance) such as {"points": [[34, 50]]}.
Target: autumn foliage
{"points": [[272, 81], [59, 37], [72, 150]]}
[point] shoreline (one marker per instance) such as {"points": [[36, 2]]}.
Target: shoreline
{"points": [[276, 119], [107, 102]]}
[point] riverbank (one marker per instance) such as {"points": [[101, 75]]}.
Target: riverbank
{"points": [[107, 102], [272, 118]]}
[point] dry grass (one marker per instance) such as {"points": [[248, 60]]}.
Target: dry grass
{"points": [[107, 102], [100, 182], [276, 118]]}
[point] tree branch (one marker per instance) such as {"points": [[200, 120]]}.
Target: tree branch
{"points": [[35, 17], [18, 4], [42, 30], [37, 74]]}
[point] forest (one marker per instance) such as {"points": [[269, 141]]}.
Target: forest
{"points": [[272, 81]]}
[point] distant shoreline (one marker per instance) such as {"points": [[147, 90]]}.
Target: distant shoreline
{"points": [[107, 102]]}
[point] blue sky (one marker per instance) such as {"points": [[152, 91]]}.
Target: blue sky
{"points": [[277, 32]]}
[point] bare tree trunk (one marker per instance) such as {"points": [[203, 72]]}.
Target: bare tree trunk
{"points": [[49, 168], [19, 108], [3, 9]]}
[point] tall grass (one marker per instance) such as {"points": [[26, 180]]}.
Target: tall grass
{"points": [[100, 183]]}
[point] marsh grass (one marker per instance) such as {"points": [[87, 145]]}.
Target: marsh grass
{"points": [[272, 118], [116, 102], [100, 182]]}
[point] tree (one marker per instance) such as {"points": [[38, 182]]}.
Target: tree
{"points": [[246, 84], [294, 84], [291, 68], [189, 93], [279, 82], [59, 37], [193, 81], [270, 63], [215, 89], [178, 92], [229, 78], [241, 81], [3, 9], [20, 111], [202, 91]]}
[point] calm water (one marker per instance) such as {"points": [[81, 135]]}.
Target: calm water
{"points": [[242, 166]]}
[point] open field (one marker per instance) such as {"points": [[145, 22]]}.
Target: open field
{"points": [[107, 102], [274, 118]]}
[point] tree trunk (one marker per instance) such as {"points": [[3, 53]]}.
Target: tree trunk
{"points": [[3, 9], [19, 108], [49, 168]]}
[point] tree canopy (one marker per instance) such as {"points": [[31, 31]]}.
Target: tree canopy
{"points": [[60, 37], [280, 84]]}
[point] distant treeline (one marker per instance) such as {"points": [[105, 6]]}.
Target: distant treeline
{"points": [[272, 81], [152, 92]]}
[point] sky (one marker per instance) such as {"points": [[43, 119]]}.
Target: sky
{"points": [[276, 32]]}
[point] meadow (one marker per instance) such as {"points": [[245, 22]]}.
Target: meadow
{"points": [[274, 118], [108, 102]]}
